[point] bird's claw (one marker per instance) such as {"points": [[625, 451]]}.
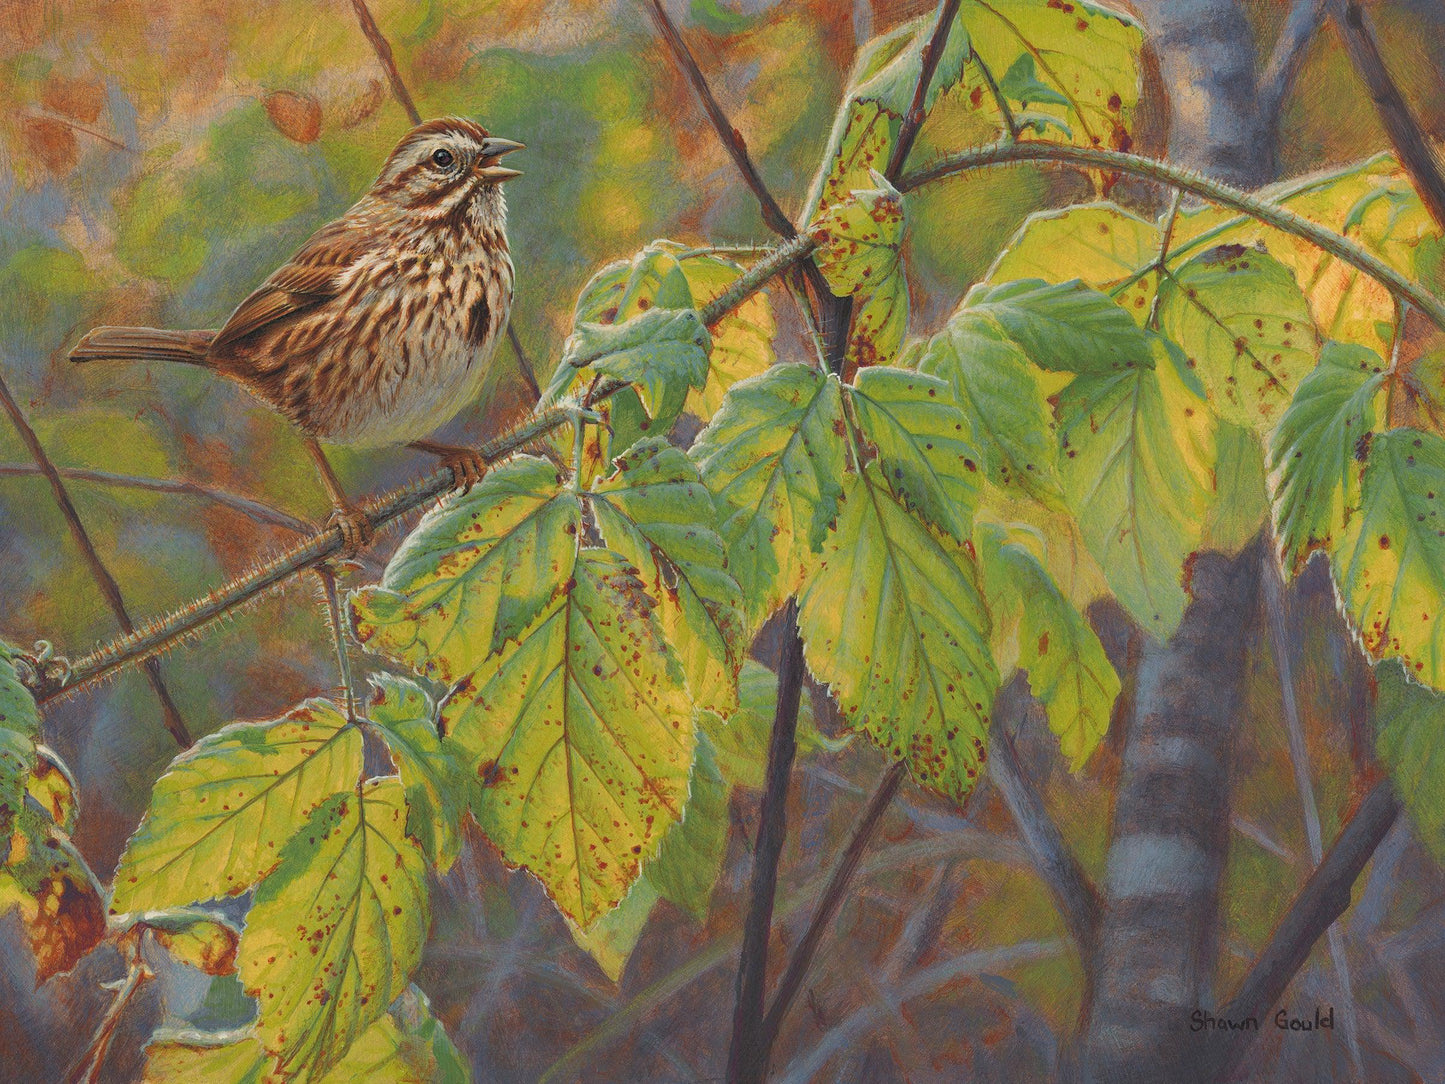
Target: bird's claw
{"points": [[356, 530], [467, 467]]}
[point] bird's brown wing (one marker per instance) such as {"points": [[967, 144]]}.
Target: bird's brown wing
{"points": [[309, 278]]}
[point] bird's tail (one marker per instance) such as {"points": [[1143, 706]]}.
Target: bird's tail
{"points": [[143, 344]]}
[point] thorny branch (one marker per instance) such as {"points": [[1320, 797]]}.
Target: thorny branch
{"points": [[1265, 211], [157, 636], [103, 579]]}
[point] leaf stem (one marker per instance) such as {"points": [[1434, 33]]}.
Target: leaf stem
{"points": [[1271, 214], [94, 1059], [1161, 263], [98, 572]]}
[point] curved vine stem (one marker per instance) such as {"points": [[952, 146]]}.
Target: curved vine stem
{"points": [[1224, 195]]}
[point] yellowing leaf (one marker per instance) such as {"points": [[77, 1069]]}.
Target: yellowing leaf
{"points": [[892, 620], [1138, 456], [59, 901], [1036, 629], [203, 939], [1101, 244], [53, 787], [337, 929], [1389, 561], [1242, 321], [474, 573], [221, 815], [922, 441], [860, 238], [583, 738], [436, 781], [1316, 450], [657, 514], [1008, 420], [773, 458]]}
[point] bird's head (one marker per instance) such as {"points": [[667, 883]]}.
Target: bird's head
{"points": [[446, 166]]}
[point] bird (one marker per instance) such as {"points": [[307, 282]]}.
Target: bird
{"points": [[383, 324]]}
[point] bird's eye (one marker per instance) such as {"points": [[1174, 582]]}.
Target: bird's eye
{"points": [[442, 158]]}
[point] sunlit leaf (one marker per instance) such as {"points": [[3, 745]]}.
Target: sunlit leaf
{"points": [[195, 1058], [1410, 739], [661, 353], [203, 939], [1137, 467], [656, 513], [582, 736], [688, 862], [1101, 244], [859, 240], [474, 573], [773, 459], [612, 937], [220, 816], [1316, 451], [1036, 629], [893, 621], [337, 929], [435, 779], [1241, 505], [1009, 421], [1242, 321], [923, 444], [1389, 560], [1066, 327], [59, 901]]}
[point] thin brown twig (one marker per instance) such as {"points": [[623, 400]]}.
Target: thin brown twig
{"points": [[388, 62], [524, 363], [1401, 125], [913, 119], [247, 506], [88, 1071], [99, 573], [831, 899]]}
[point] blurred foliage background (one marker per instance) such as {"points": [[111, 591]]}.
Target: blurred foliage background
{"points": [[159, 158]]}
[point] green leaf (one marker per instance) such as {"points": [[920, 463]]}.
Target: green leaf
{"points": [[221, 814], [657, 514], [773, 459], [1065, 327], [742, 341], [59, 900], [1076, 63], [740, 742], [582, 735], [1244, 324], [1389, 561], [335, 932], [436, 781], [474, 573], [1037, 629], [922, 441], [197, 1058], [1021, 84], [661, 353], [860, 239], [204, 939], [1241, 506], [1410, 740], [612, 937], [17, 754], [1374, 203], [1009, 421], [1314, 453], [1099, 243], [688, 862], [1137, 467], [892, 620], [18, 712]]}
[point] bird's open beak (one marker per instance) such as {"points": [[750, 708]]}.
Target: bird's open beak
{"points": [[492, 150]]}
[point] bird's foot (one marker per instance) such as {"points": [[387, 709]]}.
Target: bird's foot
{"points": [[466, 464], [356, 530]]}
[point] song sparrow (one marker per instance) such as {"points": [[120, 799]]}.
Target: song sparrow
{"points": [[381, 328]]}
